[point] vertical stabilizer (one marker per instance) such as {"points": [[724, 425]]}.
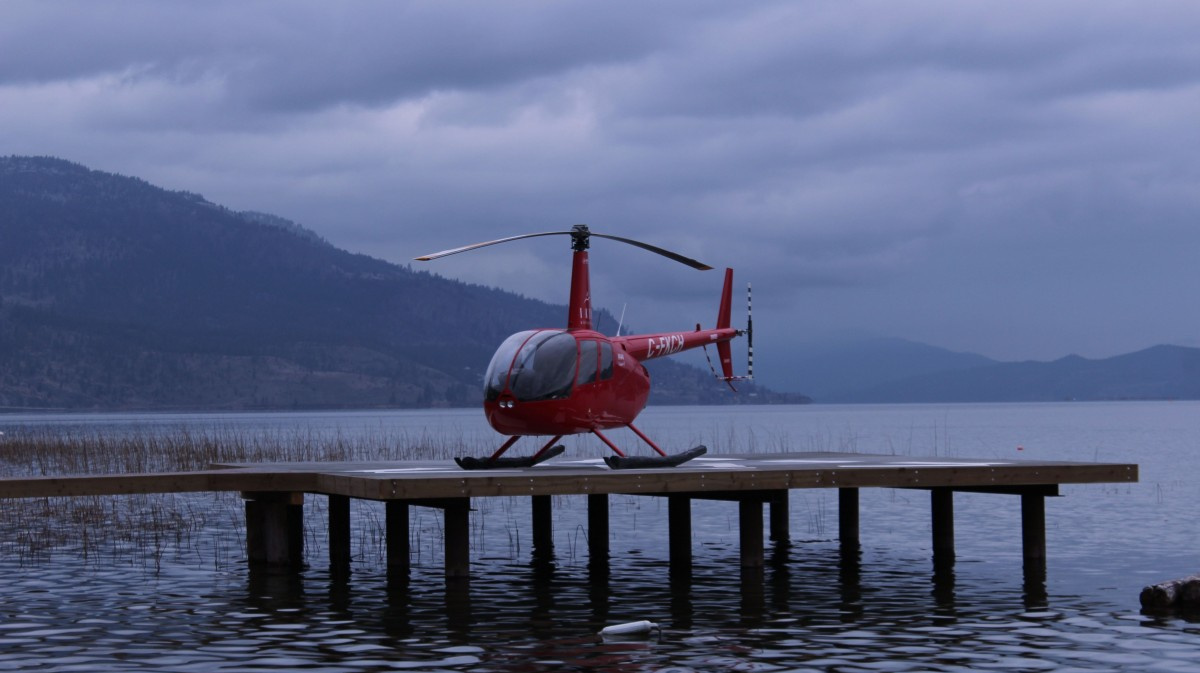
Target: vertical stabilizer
{"points": [[724, 352]]}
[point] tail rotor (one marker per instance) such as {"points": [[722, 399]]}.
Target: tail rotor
{"points": [[724, 350]]}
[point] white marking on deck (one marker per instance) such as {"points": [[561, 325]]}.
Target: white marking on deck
{"points": [[915, 463], [402, 470]]}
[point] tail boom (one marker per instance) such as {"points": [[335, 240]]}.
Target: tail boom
{"points": [[650, 346]]}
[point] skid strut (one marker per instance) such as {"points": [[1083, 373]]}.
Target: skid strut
{"points": [[623, 462], [548, 451]]}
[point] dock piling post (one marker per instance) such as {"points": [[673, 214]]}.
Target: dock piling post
{"points": [[1033, 526], [339, 533], [848, 518], [457, 513], [597, 504], [780, 523], [750, 525], [396, 515], [275, 528], [942, 505], [679, 524], [543, 526]]}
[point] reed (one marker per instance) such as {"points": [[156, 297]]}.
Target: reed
{"points": [[47, 450], [145, 530]]}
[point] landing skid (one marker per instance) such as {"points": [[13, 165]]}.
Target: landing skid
{"points": [[644, 462], [470, 463]]}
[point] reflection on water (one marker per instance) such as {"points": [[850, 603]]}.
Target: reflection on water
{"points": [[814, 606], [191, 604]]}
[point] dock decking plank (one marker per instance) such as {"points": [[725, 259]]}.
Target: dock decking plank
{"points": [[416, 480]]}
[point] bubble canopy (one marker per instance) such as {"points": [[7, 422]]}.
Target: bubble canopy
{"points": [[533, 365]]}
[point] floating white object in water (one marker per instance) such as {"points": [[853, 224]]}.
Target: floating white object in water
{"points": [[630, 629]]}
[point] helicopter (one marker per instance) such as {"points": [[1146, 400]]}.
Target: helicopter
{"points": [[557, 382]]}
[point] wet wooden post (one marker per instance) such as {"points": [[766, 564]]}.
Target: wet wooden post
{"points": [[396, 515], [780, 524], [457, 513], [1033, 526], [543, 525], [750, 526], [597, 505], [942, 505], [679, 524], [275, 528], [339, 533], [848, 517]]}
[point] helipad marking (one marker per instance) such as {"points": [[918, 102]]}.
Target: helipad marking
{"points": [[595, 463], [801, 461], [402, 470], [916, 463], [711, 462]]}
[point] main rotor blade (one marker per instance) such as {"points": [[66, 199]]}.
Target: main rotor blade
{"points": [[645, 246], [455, 251], [665, 253]]}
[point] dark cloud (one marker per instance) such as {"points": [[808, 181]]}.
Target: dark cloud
{"points": [[305, 56], [1018, 180]]}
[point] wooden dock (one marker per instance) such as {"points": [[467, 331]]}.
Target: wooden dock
{"points": [[275, 495]]}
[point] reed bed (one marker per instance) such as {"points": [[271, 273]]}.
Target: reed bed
{"points": [[209, 528], [144, 530], [51, 451]]}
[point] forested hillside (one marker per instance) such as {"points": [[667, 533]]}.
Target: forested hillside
{"points": [[118, 294]]}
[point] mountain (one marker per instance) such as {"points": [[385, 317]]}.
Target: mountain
{"points": [[1161, 372], [115, 293], [885, 370], [837, 370]]}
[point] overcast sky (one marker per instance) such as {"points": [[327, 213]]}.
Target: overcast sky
{"points": [[1017, 179]]}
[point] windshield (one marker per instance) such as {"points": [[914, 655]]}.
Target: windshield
{"points": [[545, 367], [542, 369], [497, 371]]}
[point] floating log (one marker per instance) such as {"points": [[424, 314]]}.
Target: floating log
{"points": [[641, 628], [1182, 593]]}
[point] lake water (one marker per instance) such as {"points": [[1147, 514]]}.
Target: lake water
{"points": [[188, 602]]}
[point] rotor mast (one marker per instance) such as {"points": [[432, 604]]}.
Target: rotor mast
{"points": [[580, 311]]}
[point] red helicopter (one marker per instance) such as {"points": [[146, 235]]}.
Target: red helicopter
{"points": [[576, 380]]}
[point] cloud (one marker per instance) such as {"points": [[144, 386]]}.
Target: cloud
{"points": [[919, 169]]}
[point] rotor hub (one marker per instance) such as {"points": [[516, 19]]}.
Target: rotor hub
{"points": [[581, 238]]}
